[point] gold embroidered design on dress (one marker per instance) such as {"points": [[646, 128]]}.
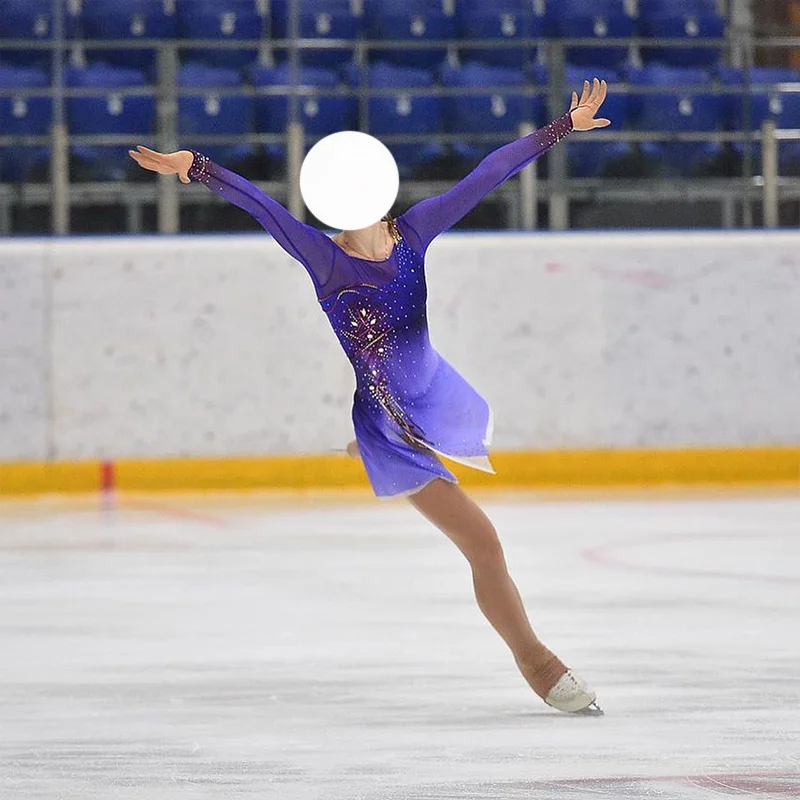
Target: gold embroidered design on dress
{"points": [[369, 330]]}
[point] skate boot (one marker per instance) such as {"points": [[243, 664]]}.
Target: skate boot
{"points": [[571, 694]]}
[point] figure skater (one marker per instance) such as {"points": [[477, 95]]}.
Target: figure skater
{"points": [[410, 405]]}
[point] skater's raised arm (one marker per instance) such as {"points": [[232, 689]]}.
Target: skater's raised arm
{"points": [[310, 247], [427, 219]]}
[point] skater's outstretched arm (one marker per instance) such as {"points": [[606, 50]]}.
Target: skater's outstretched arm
{"points": [[310, 247], [427, 219]]}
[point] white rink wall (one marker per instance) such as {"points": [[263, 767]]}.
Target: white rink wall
{"points": [[148, 347]]}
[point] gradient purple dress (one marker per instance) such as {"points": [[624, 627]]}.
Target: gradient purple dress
{"points": [[410, 405]]}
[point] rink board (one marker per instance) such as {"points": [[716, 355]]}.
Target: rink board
{"points": [[204, 363], [215, 348], [514, 469]]}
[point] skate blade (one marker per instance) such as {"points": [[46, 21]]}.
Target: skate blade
{"points": [[592, 710]]}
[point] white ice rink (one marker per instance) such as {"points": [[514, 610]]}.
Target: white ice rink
{"points": [[243, 646]]}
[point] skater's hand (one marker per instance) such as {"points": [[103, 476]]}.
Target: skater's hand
{"points": [[164, 163], [583, 110]]}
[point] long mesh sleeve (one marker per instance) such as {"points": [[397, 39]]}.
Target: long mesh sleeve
{"points": [[312, 248], [428, 218]]}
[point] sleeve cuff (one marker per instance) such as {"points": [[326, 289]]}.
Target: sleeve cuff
{"points": [[199, 169], [563, 125]]}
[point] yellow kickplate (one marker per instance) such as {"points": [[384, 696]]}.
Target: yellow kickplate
{"points": [[515, 469]]}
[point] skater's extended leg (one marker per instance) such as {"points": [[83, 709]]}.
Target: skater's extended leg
{"points": [[447, 507]]}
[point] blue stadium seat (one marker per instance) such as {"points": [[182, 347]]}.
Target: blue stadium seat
{"points": [[653, 110], [211, 112], [573, 7], [127, 19], [503, 21], [23, 115], [675, 25], [111, 113], [685, 110], [221, 22], [414, 20], [650, 8], [26, 19], [185, 7], [403, 114], [501, 110], [764, 100], [587, 158], [320, 114], [595, 159], [320, 19], [556, 9], [600, 20]]}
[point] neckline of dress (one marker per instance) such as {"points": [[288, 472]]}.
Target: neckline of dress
{"points": [[368, 260]]}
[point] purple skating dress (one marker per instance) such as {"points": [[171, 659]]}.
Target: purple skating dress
{"points": [[410, 405]]}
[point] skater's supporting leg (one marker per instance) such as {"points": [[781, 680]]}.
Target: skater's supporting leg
{"points": [[460, 518]]}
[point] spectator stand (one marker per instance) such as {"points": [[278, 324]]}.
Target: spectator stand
{"points": [[227, 76]]}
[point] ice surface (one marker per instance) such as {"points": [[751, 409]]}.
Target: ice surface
{"points": [[243, 647]]}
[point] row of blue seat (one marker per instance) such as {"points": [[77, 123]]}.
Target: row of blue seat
{"points": [[419, 20], [552, 10], [585, 159], [719, 110], [695, 107]]}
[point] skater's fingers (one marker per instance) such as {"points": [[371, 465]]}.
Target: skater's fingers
{"points": [[146, 163], [597, 95], [602, 94], [574, 103], [148, 152], [593, 94], [157, 162], [141, 155], [584, 94], [142, 162], [602, 123], [153, 166]]}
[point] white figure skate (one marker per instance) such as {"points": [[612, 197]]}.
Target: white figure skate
{"points": [[571, 694]]}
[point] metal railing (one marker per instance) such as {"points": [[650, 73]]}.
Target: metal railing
{"points": [[522, 195]]}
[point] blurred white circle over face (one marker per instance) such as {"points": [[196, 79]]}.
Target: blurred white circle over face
{"points": [[349, 180]]}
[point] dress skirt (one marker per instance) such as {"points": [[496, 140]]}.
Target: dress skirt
{"points": [[394, 465], [400, 449]]}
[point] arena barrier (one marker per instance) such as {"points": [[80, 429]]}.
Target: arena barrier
{"points": [[203, 362]]}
